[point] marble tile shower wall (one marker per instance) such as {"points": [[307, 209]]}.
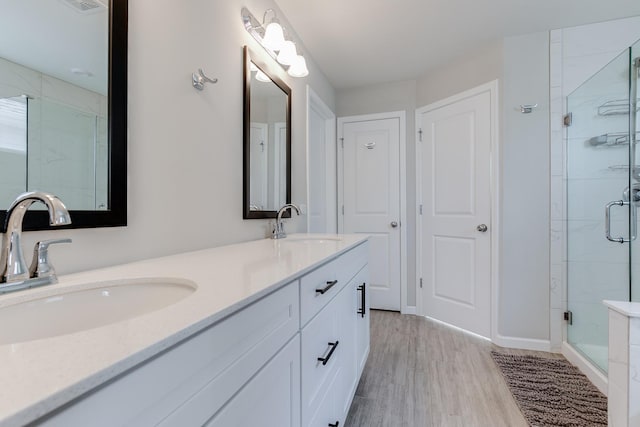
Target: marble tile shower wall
{"points": [[48, 93], [576, 54]]}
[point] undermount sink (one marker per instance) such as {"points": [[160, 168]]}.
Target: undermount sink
{"points": [[310, 238], [88, 306]]}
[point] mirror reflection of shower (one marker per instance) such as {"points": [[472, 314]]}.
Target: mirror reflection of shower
{"points": [[48, 146]]}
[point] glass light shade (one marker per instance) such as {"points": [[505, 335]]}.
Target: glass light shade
{"points": [[287, 53], [262, 77], [273, 36], [298, 68]]}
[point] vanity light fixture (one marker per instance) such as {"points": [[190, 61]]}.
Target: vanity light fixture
{"points": [[271, 37]]}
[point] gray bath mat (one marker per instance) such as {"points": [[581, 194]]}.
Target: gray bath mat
{"points": [[552, 392]]}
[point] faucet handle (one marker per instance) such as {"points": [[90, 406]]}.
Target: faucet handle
{"points": [[40, 266]]}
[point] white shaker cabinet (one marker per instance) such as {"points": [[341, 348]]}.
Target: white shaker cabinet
{"points": [[292, 358]]}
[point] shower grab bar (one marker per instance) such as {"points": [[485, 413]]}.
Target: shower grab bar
{"points": [[633, 221]]}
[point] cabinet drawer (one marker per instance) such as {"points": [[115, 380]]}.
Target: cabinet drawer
{"points": [[217, 361], [316, 288]]}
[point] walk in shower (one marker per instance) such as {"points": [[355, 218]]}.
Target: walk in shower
{"points": [[603, 196]]}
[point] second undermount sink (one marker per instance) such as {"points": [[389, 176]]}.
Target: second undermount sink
{"points": [[88, 306], [311, 238]]}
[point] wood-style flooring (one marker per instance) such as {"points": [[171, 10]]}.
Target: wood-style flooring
{"points": [[421, 373]]}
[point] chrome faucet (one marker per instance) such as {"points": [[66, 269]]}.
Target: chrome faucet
{"points": [[278, 231], [15, 274]]}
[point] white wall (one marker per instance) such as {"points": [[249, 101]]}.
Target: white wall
{"points": [[185, 146], [477, 67], [524, 278]]}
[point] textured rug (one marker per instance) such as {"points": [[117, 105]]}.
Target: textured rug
{"points": [[552, 392]]}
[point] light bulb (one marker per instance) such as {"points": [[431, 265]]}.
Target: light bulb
{"points": [[298, 68], [287, 53], [273, 36], [262, 77]]}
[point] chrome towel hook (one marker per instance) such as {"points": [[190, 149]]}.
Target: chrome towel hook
{"points": [[527, 108], [198, 80]]}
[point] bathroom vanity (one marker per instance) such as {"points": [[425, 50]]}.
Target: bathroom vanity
{"points": [[273, 333]]}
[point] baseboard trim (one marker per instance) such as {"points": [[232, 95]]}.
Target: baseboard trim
{"points": [[594, 374], [522, 343], [409, 309]]}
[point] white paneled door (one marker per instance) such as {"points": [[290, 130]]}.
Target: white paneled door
{"points": [[369, 189], [454, 188]]}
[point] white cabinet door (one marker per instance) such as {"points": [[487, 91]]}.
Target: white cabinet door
{"points": [[271, 398]]}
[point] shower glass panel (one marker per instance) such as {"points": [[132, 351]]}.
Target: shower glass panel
{"points": [[598, 174], [634, 128]]}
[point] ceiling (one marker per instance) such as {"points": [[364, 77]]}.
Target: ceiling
{"points": [[362, 42]]}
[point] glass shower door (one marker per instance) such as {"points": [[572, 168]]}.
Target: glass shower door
{"points": [[598, 212], [634, 123]]}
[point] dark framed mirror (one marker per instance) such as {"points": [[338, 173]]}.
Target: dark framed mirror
{"points": [[267, 137], [63, 108]]}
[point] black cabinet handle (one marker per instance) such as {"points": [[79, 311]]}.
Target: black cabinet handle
{"points": [[363, 288], [333, 346], [330, 285], [334, 425]]}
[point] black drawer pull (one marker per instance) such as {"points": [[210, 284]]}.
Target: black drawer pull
{"points": [[363, 288], [330, 285], [334, 425], [325, 360]]}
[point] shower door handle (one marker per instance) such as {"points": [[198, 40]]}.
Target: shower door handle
{"points": [[607, 222]]}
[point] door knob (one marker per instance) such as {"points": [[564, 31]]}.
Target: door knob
{"points": [[394, 224], [482, 228]]}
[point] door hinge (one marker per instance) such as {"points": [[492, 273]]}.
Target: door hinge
{"points": [[420, 134], [567, 120], [568, 316], [342, 142], [342, 209], [421, 283], [420, 209]]}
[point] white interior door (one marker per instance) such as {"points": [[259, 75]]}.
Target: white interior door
{"points": [[322, 195], [259, 166], [370, 194], [454, 173], [279, 165]]}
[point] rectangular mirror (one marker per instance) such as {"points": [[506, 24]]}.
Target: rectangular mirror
{"points": [[267, 137], [63, 99]]}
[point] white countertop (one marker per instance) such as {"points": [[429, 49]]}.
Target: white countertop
{"points": [[629, 309], [38, 376]]}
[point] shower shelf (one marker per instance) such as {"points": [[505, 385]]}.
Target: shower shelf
{"points": [[611, 139], [614, 108]]}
